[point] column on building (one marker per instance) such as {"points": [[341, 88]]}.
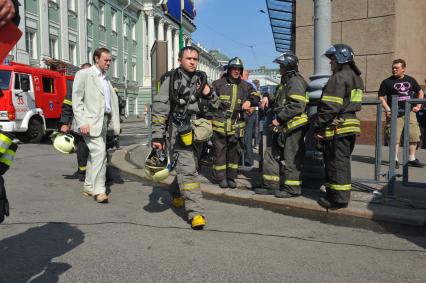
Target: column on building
{"points": [[21, 55], [44, 30], [189, 41], [82, 38], [175, 48], [143, 49], [160, 32], [64, 43], [151, 39], [169, 46]]}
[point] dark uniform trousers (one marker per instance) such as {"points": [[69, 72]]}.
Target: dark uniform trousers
{"points": [[82, 152], [228, 151], [337, 158], [287, 177]]}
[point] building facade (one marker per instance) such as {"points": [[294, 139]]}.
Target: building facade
{"points": [[378, 31], [70, 30]]}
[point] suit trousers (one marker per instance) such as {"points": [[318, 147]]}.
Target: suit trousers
{"points": [[97, 161]]}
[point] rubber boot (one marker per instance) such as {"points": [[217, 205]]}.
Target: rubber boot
{"points": [[232, 184], [198, 222]]}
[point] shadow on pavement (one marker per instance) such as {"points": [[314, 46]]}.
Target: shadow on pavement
{"points": [[28, 257], [160, 200]]}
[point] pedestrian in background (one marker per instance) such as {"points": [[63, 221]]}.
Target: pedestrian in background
{"points": [[337, 125], [95, 106], [250, 119], [405, 87]]}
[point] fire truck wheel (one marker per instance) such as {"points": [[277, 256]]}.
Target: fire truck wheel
{"points": [[34, 134]]}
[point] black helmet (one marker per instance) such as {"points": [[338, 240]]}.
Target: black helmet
{"points": [[342, 52], [289, 61], [235, 63]]}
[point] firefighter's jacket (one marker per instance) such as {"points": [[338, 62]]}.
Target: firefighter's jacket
{"points": [[66, 112], [228, 120], [178, 94], [7, 151], [289, 102], [339, 102]]}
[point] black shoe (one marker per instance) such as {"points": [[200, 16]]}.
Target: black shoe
{"points": [[232, 184], [415, 163], [247, 164], [264, 191], [324, 202], [223, 184], [81, 175], [396, 165], [283, 194]]}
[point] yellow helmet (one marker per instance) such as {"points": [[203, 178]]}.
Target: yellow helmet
{"points": [[64, 143], [156, 166]]}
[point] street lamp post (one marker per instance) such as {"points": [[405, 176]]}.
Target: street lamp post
{"points": [[322, 40]]}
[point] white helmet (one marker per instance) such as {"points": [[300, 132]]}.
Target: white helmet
{"points": [[64, 143]]}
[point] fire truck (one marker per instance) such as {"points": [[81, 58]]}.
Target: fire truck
{"points": [[31, 98]]}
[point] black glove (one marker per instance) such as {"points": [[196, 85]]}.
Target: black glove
{"points": [[4, 203], [202, 81]]}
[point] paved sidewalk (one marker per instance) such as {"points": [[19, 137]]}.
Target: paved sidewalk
{"points": [[407, 206]]}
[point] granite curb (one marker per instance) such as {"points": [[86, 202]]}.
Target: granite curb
{"points": [[124, 159]]}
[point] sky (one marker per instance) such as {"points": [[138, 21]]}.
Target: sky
{"points": [[236, 28]]}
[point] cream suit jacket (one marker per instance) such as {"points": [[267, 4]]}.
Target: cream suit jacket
{"points": [[88, 103]]}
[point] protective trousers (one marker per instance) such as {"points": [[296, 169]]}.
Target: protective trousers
{"points": [[337, 158], [186, 182], [294, 156], [82, 152], [227, 150], [4, 203]]}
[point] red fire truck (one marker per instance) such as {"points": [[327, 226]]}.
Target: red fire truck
{"points": [[31, 100]]}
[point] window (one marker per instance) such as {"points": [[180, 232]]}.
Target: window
{"points": [[89, 9], [125, 27], [19, 78], [53, 47], [48, 85], [5, 79], [134, 78], [73, 54], [133, 27], [113, 20], [102, 14], [31, 44], [89, 54], [114, 67], [71, 5]]}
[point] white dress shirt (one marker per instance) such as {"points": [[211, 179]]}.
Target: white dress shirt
{"points": [[107, 92]]}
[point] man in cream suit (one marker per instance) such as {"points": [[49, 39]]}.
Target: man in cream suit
{"points": [[95, 106]]}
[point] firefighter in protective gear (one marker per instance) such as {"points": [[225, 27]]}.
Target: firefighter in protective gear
{"points": [[236, 96], [7, 154], [337, 125], [285, 151], [182, 94], [7, 146], [65, 121]]}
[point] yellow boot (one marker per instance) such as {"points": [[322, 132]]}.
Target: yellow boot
{"points": [[198, 222], [178, 202]]}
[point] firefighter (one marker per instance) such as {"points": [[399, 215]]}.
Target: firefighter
{"points": [[9, 12], [337, 125], [285, 151], [182, 93], [236, 96], [65, 120]]}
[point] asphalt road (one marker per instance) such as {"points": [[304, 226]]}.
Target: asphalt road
{"points": [[56, 234]]}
